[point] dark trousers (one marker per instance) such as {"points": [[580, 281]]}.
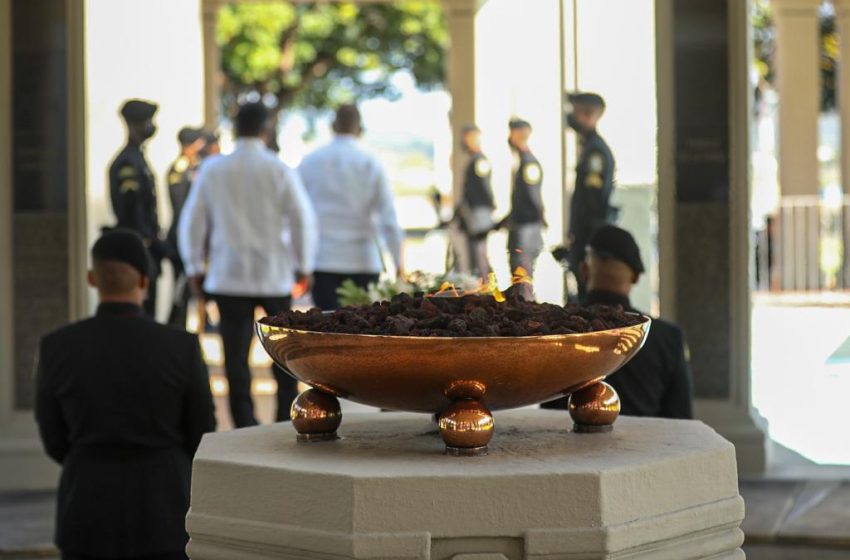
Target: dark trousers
{"points": [[176, 555], [237, 331], [325, 285], [182, 295]]}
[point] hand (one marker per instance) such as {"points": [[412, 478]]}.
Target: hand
{"points": [[196, 285]]}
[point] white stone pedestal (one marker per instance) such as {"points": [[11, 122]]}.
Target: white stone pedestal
{"points": [[651, 489]]}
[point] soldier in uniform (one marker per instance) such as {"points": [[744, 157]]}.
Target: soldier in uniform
{"points": [[590, 206], [179, 179], [526, 221], [657, 381], [133, 191], [474, 213]]}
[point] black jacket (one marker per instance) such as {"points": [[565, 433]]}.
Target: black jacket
{"points": [[526, 198], [657, 381], [477, 192], [590, 206], [121, 404], [133, 192]]}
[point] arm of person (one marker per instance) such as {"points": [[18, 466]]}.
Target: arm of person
{"points": [[305, 231], [198, 407], [52, 427], [386, 219], [192, 231], [678, 397]]}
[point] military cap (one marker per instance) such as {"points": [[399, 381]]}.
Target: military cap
{"points": [[516, 123], [189, 135], [210, 136], [613, 242], [123, 245], [467, 128], [586, 98], [138, 110]]}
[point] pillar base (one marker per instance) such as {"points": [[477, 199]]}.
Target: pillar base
{"points": [[746, 429], [651, 489]]}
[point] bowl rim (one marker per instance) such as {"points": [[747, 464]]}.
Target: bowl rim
{"points": [[647, 321]]}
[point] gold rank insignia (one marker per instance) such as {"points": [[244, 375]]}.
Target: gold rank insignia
{"points": [[128, 185], [532, 173], [174, 178], [593, 180], [482, 167], [181, 165], [126, 171]]}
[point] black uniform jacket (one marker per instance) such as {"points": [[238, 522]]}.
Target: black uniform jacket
{"points": [[133, 194], [590, 205], [526, 199], [180, 176], [477, 191], [122, 403], [657, 381]]}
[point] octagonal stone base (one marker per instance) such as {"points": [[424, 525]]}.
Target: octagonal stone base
{"points": [[651, 489]]}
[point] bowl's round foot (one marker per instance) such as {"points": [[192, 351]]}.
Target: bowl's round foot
{"points": [[316, 416], [466, 451], [466, 428], [329, 436], [594, 408]]}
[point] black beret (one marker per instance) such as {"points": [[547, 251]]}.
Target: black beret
{"points": [[123, 245], [138, 110], [617, 243], [189, 135], [586, 98], [515, 123]]}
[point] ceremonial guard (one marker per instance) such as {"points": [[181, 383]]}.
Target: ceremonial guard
{"points": [[132, 188], [590, 206], [474, 213], [526, 220], [179, 179]]}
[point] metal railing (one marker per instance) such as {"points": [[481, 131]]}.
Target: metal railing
{"points": [[804, 247]]}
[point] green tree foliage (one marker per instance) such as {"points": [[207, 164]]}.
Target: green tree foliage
{"points": [[764, 36], [319, 55]]}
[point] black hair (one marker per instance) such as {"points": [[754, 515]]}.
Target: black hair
{"points": [[251, 119]]}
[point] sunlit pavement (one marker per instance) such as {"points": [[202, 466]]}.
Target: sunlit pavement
{"points": [[795, 385]]}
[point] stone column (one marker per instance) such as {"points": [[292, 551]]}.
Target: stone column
{"points": [[212, 62], [460, 18], [842, 9], [798, 81], [703, 200]]}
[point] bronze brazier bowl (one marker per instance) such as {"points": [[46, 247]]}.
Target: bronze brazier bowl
{"points": [[459, 379]]}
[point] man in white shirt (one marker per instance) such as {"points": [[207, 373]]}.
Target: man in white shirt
{"points": [[354, 203], [249, 218]]}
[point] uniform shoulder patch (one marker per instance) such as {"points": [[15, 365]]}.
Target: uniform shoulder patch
{"points": [[181, 165], [596, 163], [532, 173], [482, 167], [128, 185], [126, 171]]}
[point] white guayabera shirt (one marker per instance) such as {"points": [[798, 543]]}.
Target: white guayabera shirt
{"points": [[354, 203], [248, 215]]}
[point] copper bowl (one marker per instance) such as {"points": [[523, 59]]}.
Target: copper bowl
{"points": [[426, 374]]}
